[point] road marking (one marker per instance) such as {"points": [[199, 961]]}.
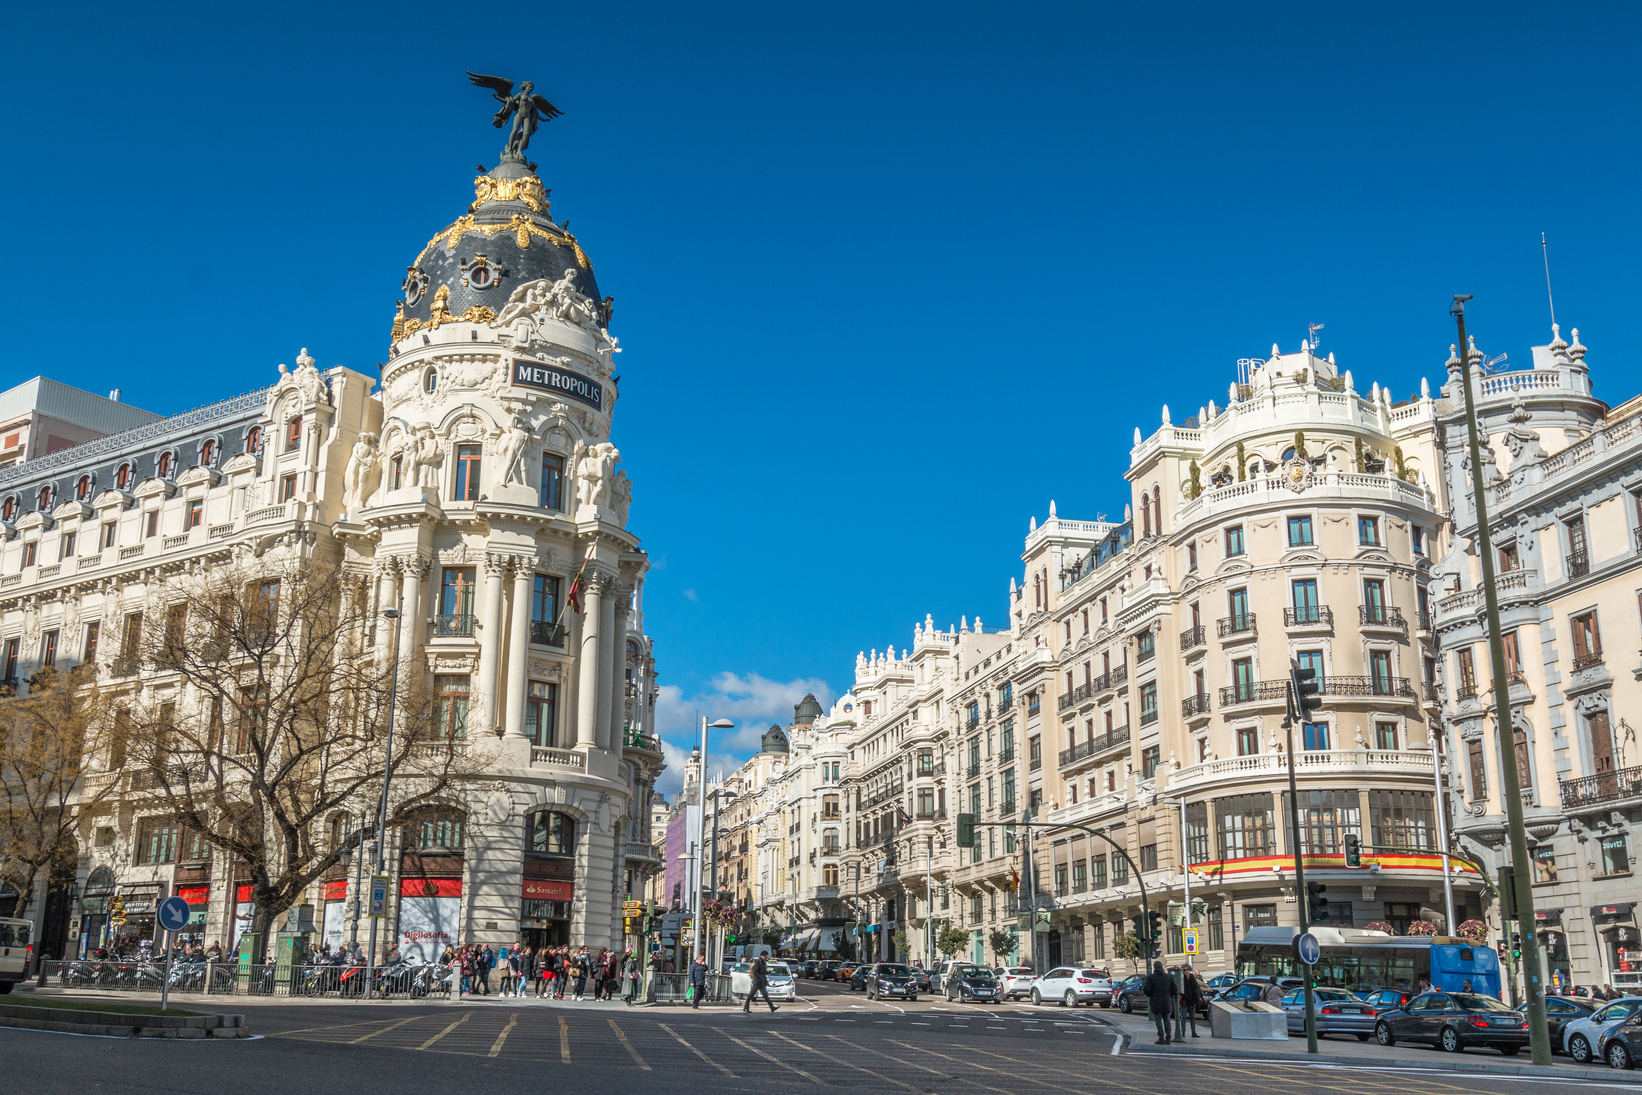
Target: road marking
{"points": [[333, 1027], [843, 1020], [967, 1080], [513, 1021], [446, 1031], [694, 1050], [384, 1030], [629, 1046], [767, 1057], [564, 1040], [918, 1024], [841, 1061]]}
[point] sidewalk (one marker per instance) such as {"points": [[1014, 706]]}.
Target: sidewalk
{"points": [[25, 990], [1339, 1049]]}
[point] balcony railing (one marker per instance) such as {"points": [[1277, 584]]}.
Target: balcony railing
{"points": [[459, 626], [1579, 564], [1308, 616], [1380, 616], [547, 633], [1425, 620], [1005, 704], [1146, 653], [1585, 661], [1117, 678], [1267, 691], [1195, 705], [1602, 788], [1237, 625], [1006, 756], [1148, 715], [1114, 737], [1037, 762], [1191, 637], [974, 720], [1253, 692]]}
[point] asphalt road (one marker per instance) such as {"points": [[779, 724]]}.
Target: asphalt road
{"points": [[829, 1039]]}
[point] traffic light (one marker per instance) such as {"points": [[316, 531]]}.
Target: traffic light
{"points": [[1307, 691], [1354, 850], [1516, 946], [967, 837], [1154, 929], [1316, 903]]}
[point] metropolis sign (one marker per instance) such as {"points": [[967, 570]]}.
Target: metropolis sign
{"points": [[551, 378]]}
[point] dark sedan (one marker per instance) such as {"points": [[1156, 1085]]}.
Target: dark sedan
{"points": [[920, 978], [1559, 1013], [1128, 995], [806, 969], [966, 982], [1621, 1046], [1454, 1021], [824, 970], [890, 979], [1337, 1012]]}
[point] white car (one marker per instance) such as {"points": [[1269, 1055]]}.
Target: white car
{"points": [[15, 952], [1581, 1036], [778, 977], [1014, 981], [1071, 986]]}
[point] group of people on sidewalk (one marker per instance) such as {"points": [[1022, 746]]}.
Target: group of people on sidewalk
{"points": [[555, 972], [1165, 996]]}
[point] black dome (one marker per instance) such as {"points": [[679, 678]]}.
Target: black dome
{"points": [[506, 239]]}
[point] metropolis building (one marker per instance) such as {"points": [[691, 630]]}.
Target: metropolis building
{"points": [[468, 486]]}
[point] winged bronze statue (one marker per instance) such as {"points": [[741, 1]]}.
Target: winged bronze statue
{"points": [[526, 108]]}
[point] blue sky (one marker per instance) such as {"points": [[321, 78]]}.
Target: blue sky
{"points": [[888, 277]]}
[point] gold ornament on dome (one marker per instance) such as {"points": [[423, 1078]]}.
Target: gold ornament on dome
{"points": [[438, 316], [522, 227], [528, 190]]}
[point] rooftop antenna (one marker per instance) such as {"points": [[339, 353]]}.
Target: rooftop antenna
{"points": [[1545, 251], [1312, 329]]}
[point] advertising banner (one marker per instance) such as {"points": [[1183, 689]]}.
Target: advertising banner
{"points": [[336, 922], [427, 925]]}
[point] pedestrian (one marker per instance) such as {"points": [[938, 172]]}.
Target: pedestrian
{"points": [[698, 983], [1159, 988], [464, 962], [487, 962], [630, 966], [506, 965], [598, 975], [1191, 997], [612, 975], [1608, 992], [581, 972], [1273, 993], [1465, 985], [761, 983]]}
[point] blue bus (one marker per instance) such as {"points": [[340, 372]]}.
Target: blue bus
{"points": [[1361, 961]]}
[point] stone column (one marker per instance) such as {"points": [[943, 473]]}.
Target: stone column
{"points": [[587, 679], [411, 607], [387, 592], [608, 647], [622, 605], [490, 643], [518, 647]]}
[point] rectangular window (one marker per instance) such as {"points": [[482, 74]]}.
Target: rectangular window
{"points": [[293, 435], [1616, 854], [1060, 880], [1244, 826], [542, 713], [1148, 857], [1217, 929], [48, 648], [1243, 679], [1300, 531], [1513, 656], [1259, 916], [1097, 871], [29, 551], [1148, 703], [1304, 591], [93, 629], [1379, 668], [926, 802], [1316, 734], [133, 642], [196, 513], [253, 718], [1579, 556], [1197, 832], [1401, 819], [1509, 559], [1234, 540], [1191, 564], [1544, 864], [466, 488], [1385, 737], [1466, 668], [1368, 531], [552, 489], [457, 593], [1325, 818], [157, 842], [11, 660], [287, 490], [1587, 640], [1148, 761], [1417, 537], [1374, 601], [110, 532], [1120, 869], [263, 611], [65, 546], [451, 692], [1080, 876], [1479, 769], [1146, 646], [1248, 741], [1238, 599], [544, 606]]}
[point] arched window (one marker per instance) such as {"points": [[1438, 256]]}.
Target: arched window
{"points": [[45, 499], [253, 440], [293, 433], [552, 833], [9, 510], [122, 478], [437, 827], [208, 454], [82, 489], [165, 466]]}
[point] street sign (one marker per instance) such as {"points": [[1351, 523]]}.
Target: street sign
{"points": [[1191, 940], [1040, 920], [173, 914], [1307, 949], [379, 895]]}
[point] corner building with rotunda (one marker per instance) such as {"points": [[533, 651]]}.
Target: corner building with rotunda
{"points": [[475, 491]]}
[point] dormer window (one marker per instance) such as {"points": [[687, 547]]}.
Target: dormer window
{"points": [[82, 489], [208, 454], [45, 499], [166, 466], [9, 510], [253, 440], [122, 478]]}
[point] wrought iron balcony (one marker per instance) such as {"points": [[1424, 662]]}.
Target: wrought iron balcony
{"points": [[1308, 616], [1116, 736], [1585, 661], [1579, 564], [1195, 705], [1006, 756], [1191, 638], [1005, 704], [1237, 625], [1381, 616], [1602, 788], [1253, 692], [459, 626], [547, 633]]}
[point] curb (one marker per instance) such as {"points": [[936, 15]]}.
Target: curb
{"points": [[122, 1024], [1444, 1064]]}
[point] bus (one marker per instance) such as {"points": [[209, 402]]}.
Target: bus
{"points": [[1361, 961]]}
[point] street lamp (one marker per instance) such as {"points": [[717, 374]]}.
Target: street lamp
{"points": [[701, 814], [1441, 805], [391, 615], [712, 875]]}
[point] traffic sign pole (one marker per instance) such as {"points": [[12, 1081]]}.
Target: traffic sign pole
{"points": [[173, 915]]}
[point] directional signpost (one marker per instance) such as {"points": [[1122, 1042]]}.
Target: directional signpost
{"points": [[1190, 936], [174, 917]]}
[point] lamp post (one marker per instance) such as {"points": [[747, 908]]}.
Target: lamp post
{"points": [[712, 872], [392, 615], [701, 816], [1442, 832]]}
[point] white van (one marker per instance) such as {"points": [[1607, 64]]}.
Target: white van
{"points": [[14, 952]]}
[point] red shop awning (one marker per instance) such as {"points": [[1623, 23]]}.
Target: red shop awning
{"points": [[430, 887]]}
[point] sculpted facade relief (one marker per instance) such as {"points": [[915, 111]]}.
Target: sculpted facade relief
{"points": [[522, 324], [595, 473]]}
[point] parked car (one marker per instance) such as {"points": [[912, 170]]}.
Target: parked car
{"points": [[1559, 1013], [1337, 1011], [1070, 986], [1386, 999], [824, 970], [1581, 1036], [921, 978], [1253, 988], [960, 981], [1221, 981], [886, 979], [15, 952], [1621, 1046], [844, 971], [1127, 996], [778, 977], [1014, 981], [858, 976], [1454, 1021], [806, 969]]}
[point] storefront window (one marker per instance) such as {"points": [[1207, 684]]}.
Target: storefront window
{"points": [[1616, 857]]}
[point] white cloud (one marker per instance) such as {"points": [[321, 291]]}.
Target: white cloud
{"points": [[691, 595], [752, 702]]}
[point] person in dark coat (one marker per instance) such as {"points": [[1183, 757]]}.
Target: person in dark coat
{"points": [[1192, 995], [1159, 988], [698, 982], [761, 983]]}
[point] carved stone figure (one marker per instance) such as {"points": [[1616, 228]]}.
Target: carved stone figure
{"points": [[621, 497], [428, 458], [526, 108], [595, 471], [356, 476], [307, 378], [513, 451]]}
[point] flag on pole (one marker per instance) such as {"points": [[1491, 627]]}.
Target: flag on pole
{"points": [[902, 816], [1014, 880], [574, 597]]}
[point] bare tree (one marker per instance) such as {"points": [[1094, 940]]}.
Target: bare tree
{"points": [[280, 722], [47, 740]]}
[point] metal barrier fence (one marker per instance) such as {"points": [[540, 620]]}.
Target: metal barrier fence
{"points": [[670, 988], [343, 982]]}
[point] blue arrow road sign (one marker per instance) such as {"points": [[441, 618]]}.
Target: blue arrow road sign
{"points": [[1307, 949], [174, 914]]}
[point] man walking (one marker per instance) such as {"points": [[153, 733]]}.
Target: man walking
{"points": [[761, 983], [1191, 997], [1160, 996], [698, 983]]}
